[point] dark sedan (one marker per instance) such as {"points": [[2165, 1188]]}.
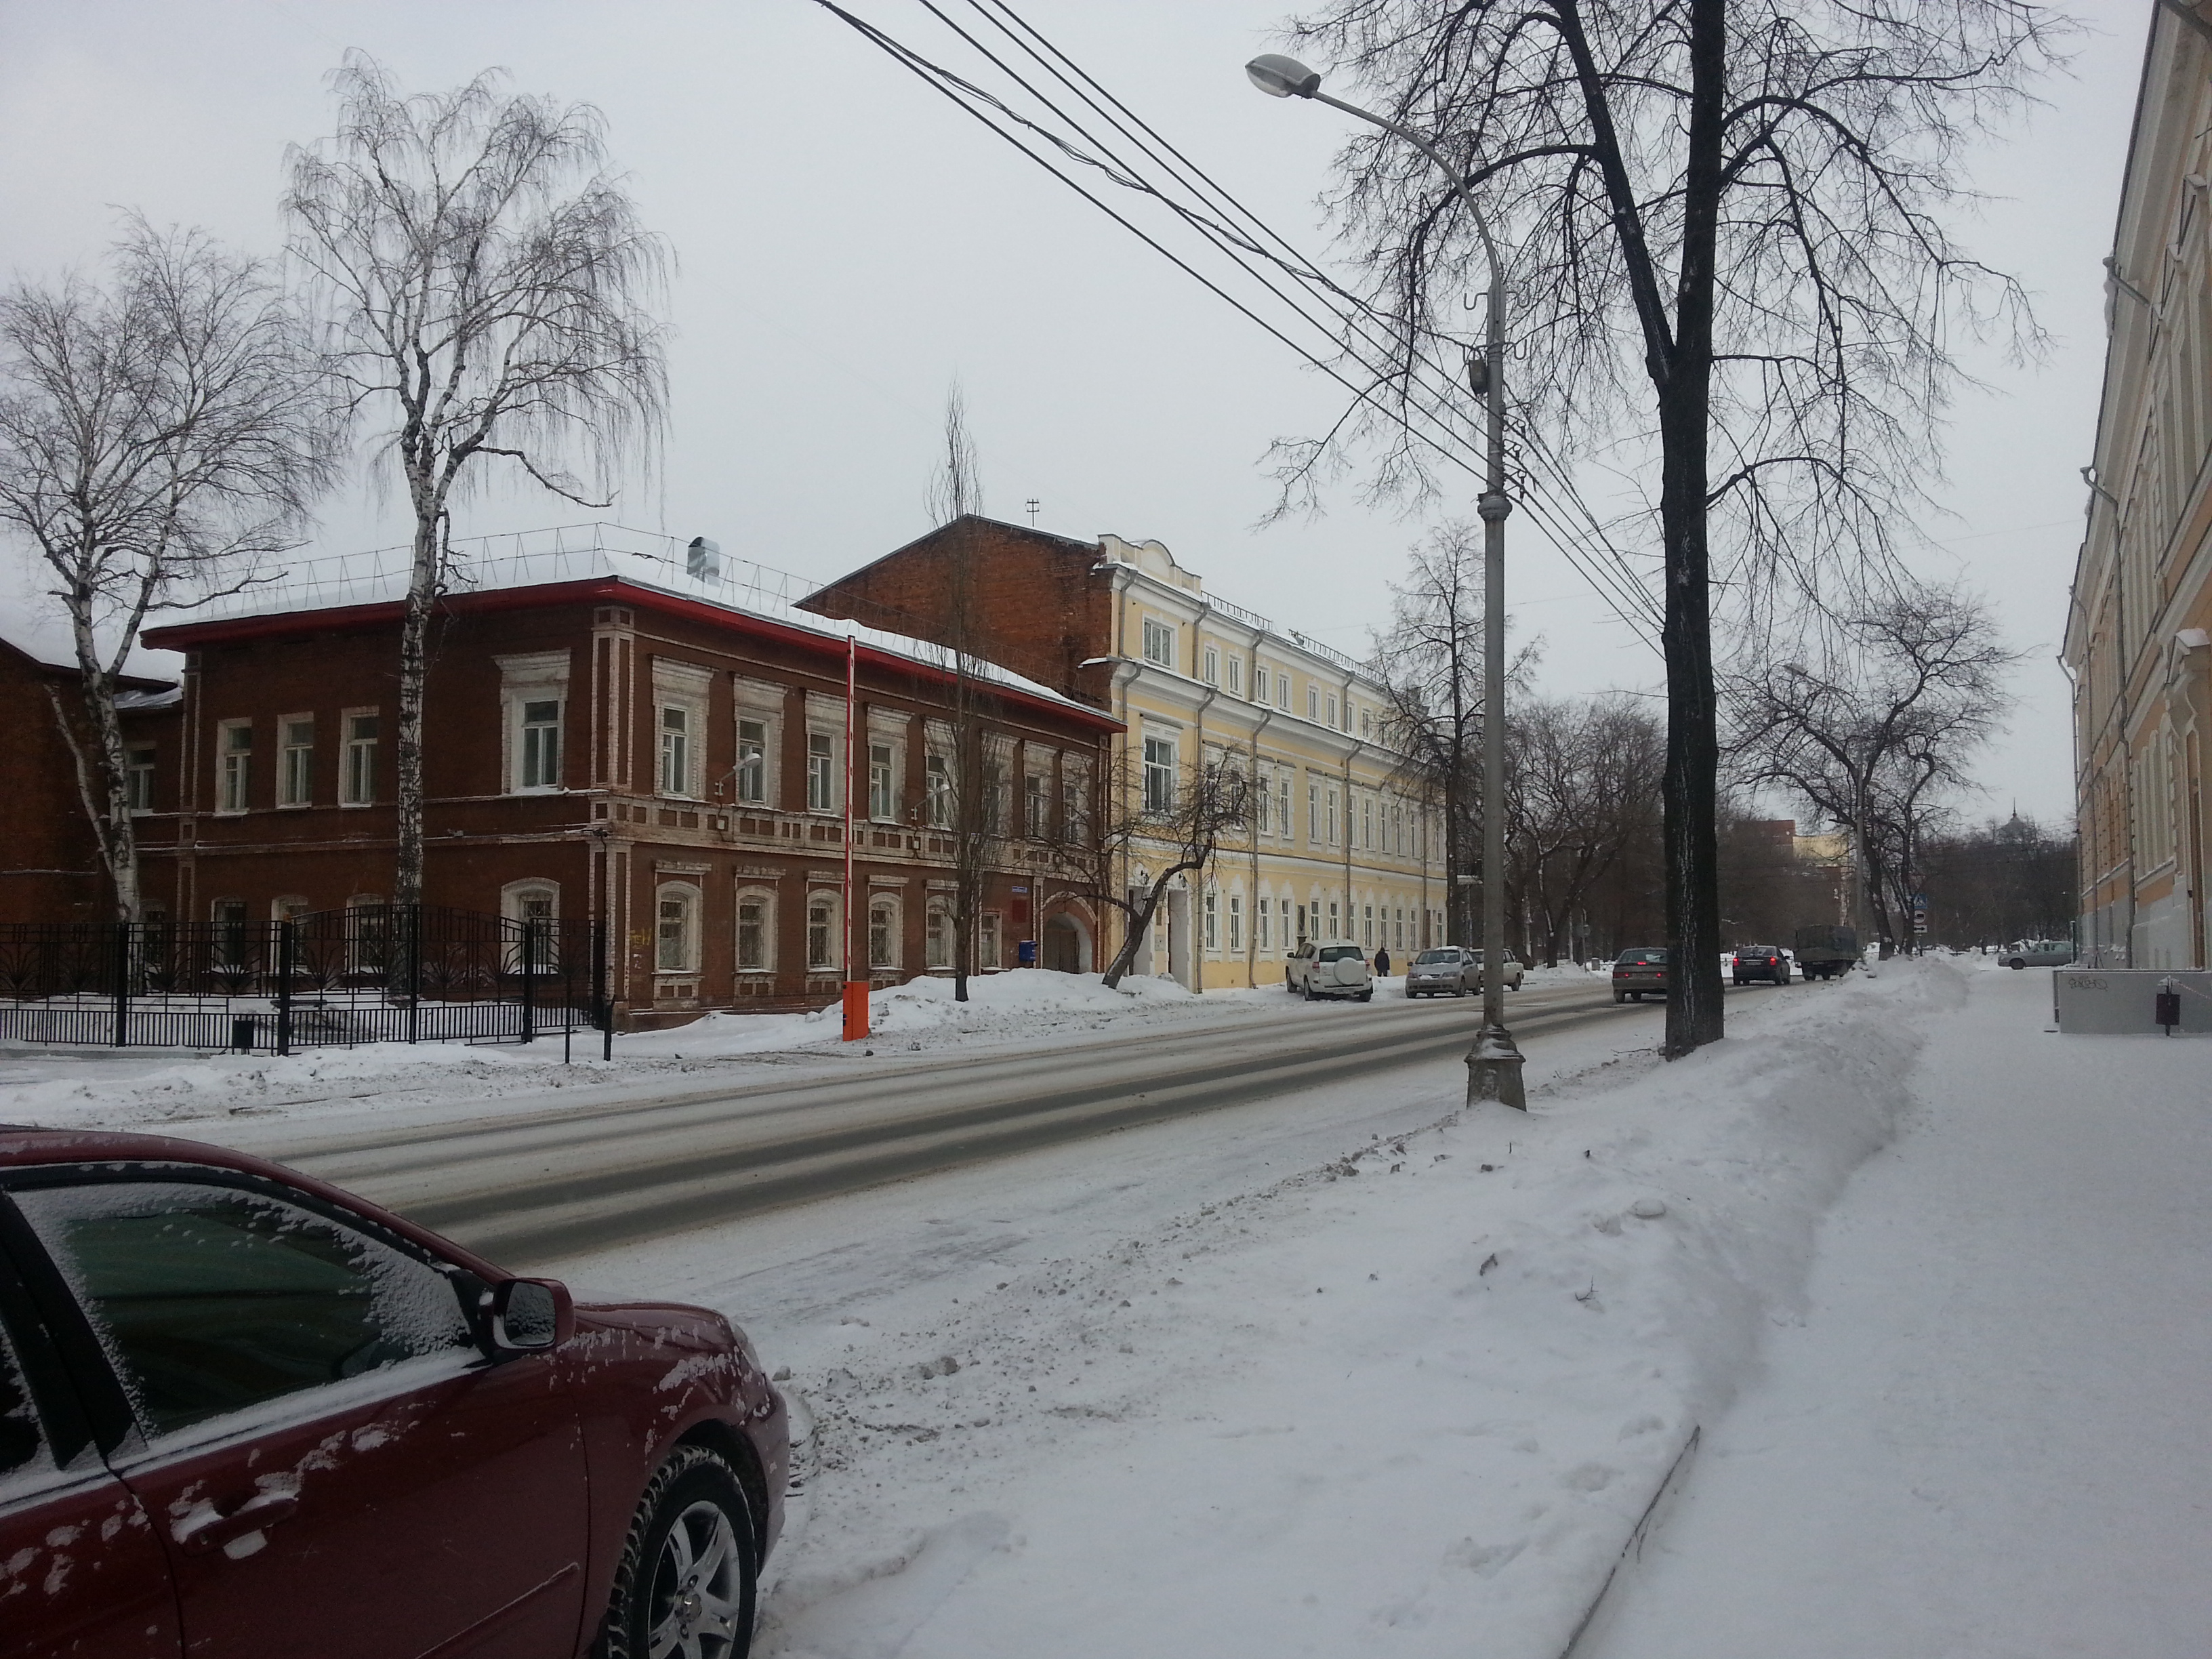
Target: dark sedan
{"points": [[244, 1413], [1761, 962], [1635, 972]]}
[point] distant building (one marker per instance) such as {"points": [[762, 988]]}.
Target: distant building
{"points": [[1341, 847], [2139, 630], [613, 732]]}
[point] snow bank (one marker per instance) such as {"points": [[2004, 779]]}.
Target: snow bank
{"points": [[1413, 1402]]}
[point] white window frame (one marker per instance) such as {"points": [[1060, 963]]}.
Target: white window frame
{"points": [[758, 702], [765, 898], [530, 756], [357, 757], [1282, 691], [675, 749], [1211, 673], [1258, 683], [1313, 702], [1235, 675], [937, 789], [826, 782], [1235, 924], [1212, 910], [884, 904], [295, 761], [535, 677], [517, 901], [990, 942], [1161, 764], [750, 781], [936, 937], [1261, 931], [138, 765], [1036, 805], [1159, 643], [687, 894], [234, 767], [882, 780], [831, 959]]}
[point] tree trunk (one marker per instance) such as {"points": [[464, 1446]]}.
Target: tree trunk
{"points": [[407, 745], [1691, 783]]}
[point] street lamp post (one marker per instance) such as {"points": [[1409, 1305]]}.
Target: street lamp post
{"points": [[1494, 1065]]}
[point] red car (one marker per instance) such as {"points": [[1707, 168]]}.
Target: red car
{"points": [[244, 1413]]}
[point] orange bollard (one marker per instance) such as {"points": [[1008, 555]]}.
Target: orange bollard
{"points": [[856, 1010]]}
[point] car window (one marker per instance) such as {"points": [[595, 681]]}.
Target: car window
{"points": [[1427, 957], [1341, 953], [22, 1445], [210, 1299]]}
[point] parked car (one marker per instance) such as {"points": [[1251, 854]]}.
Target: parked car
{"points": [[1761, 962], [243, 1412], [1449, 971], [1454, 970], [1329, 968], [2037, 953], [1636, 971]]}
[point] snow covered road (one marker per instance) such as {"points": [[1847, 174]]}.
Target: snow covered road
{"points": [[1985, 1436], [525, 1185]]}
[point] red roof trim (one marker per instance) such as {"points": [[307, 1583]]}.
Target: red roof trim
{"points": [[187, 637]]}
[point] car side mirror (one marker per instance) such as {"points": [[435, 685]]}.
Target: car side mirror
{"points": [[529, 1316]]}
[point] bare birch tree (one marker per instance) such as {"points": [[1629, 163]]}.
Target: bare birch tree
{"points": [[486, 290], [158, 435], [1724, 224]]}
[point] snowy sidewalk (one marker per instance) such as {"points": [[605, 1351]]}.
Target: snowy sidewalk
{"points": [[1285, 1380], [1987, 1434]]}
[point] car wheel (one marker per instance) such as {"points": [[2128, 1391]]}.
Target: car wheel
{"points": [[1307, 990], [686, 1581], [1621, 996], [2018, 962], [1367, 995]]}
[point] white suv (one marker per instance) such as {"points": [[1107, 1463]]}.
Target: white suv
{"points": [[1328, 968]]}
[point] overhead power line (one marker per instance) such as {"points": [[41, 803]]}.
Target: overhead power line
{"points": [[1422, 399]]}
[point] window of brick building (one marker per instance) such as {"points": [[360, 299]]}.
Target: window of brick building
{"points": [[821, 772], [883, 785], [756, 931], [540, 745], [357, 773], [989, 952], [676, 929], [295, 761], [822, 952], [752, 762], [138, 780], [882, 932], [1036, 807], [937, 938], [675, 751], [234, 766], [937, 783]]}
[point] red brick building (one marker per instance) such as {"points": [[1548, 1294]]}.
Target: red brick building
{"points": [[49, 865], [613, 732]]}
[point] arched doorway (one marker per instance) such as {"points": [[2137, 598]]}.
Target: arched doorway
{"points": [[1066, 947]]}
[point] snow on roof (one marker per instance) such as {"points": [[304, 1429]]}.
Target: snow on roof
{"points": [[571, 553]]}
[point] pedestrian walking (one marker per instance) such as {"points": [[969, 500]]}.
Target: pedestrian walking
{"points": [[1382, 962]]}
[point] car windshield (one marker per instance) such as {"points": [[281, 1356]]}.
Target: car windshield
{"points": [[1426, 957], [1339, 952], [1632, 958]]}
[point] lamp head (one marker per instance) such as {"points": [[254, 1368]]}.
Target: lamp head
{"points": [[1282, 77]]}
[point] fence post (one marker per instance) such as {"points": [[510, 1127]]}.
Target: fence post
{"points": [[287, 961], [122, 984], [602, 1004], [528, 961], [413, 923]]}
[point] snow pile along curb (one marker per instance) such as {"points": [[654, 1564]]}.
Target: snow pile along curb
{"points": [[1414, 1401]]}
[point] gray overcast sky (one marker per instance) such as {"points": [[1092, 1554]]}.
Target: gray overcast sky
{"points": [[848, 243]]}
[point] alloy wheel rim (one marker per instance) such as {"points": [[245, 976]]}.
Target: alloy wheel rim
{"points": [[697, 1606]]}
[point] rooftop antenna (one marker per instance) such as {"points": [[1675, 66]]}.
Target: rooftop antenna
{"points": [[1032, 507]]}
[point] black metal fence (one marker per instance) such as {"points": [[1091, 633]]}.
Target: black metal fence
{"points": [[370, 974]]}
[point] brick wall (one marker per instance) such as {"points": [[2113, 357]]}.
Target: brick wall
{"points": [[1049, 609]]}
